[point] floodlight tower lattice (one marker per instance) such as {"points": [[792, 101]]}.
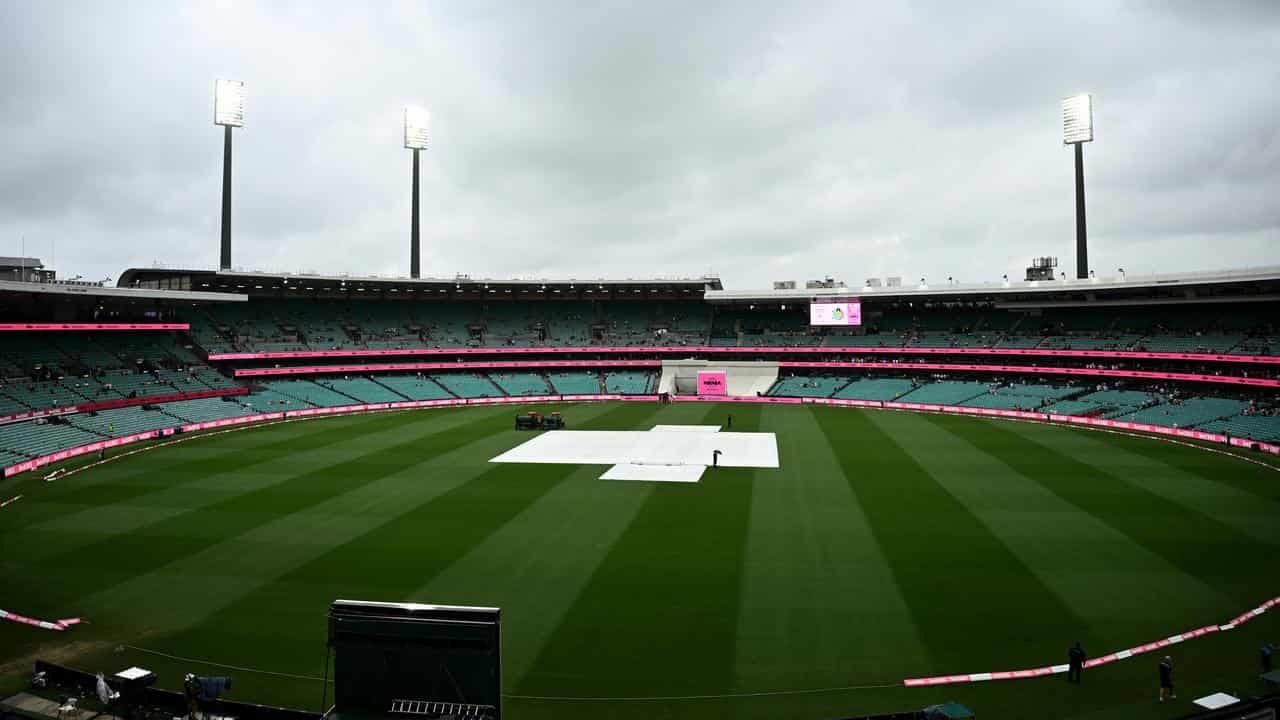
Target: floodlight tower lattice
{"points": [[416, 126], [1077, 129], [228, 111]]}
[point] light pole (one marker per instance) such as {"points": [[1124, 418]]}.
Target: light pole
{"points": [[416, 125], [228, 111], [1077, 129]]}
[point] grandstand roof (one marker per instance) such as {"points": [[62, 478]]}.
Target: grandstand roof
{"points": [[87, 289], [291, 285], [1262, 283], [8, 261]]}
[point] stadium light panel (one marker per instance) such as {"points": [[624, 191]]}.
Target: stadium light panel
{"points": [[228, 103], [1077, 119], [416, 124]]}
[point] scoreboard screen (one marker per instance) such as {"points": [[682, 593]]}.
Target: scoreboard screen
{"points": [[835, 313]]}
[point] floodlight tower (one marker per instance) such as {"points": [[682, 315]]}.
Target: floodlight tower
{"points": [[416, 123], [228, 111], [1077, 129]]}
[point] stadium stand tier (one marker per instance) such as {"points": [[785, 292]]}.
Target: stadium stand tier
{"points": [[62, 372]]}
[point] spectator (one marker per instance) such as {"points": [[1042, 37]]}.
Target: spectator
{"points": [[1166, 678], [1075, 663]]}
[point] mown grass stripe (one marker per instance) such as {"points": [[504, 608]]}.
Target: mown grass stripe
{"points": [[127, 479], [1234, 495], [157, 544], [1246, 477], [1099, 572], [387, 562], [206, 484], [817, 589], [659, 615], [977, 605], [1200, 545]]}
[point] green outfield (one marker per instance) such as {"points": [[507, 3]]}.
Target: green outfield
{"points": [[888, 545]]}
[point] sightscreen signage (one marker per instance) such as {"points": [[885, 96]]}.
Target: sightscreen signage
{"points": [[835, 313], [712, 382]]}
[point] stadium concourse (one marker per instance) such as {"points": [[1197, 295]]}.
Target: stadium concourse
{"points": [[1194, 353]]}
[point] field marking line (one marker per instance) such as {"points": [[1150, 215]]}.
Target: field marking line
{"points": [[241, 668], [556, 698], [720, 696]]}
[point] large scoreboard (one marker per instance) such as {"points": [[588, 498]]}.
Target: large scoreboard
{"points": [[400, 660], [835, 313]]}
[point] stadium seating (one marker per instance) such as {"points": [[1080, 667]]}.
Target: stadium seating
{"points": [[629, 383], [1083, 408], [875, 389], [575, 383], [49, 394], [309, 392], [808, 386], [1258, 427], [1185, 413], [945, 393], [122, 421], [267, 400], [999, 401], [299, 325], [1189, 343], [877, 340], [34, 438], [57, 370], [468, 385], [521, 383], [206, 409], [414, 387], [362, 390]]}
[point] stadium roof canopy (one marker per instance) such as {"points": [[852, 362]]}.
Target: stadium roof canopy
{"points": [[73, 289], [1252, 284], [265, 284]]}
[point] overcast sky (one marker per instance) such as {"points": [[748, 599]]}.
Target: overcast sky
{"points": [[756, 140]]}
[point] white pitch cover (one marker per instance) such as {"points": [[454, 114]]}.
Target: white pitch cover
{"points": [[667, 453], [610, 447], [655, 473]]}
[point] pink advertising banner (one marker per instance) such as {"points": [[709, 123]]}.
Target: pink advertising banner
{"points": [[833, 365], [713, 350], [738, 399], [713, 382], [44, 327], [431, 366], [1038, 370]]}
